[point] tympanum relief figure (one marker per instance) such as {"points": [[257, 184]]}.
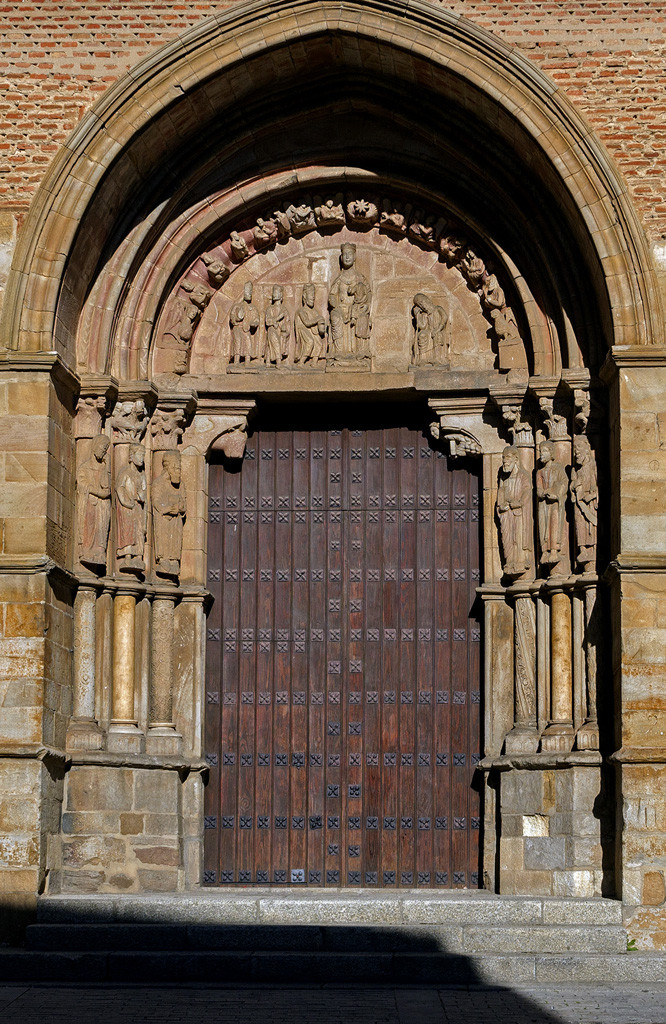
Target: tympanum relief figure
{"points": [[585, 497], [514, 512], [330, 213], [552, 486], [430, 340], [169, 510], [93, 485], [278, 329], [244, 321], [349, 301], [131, 511], [310, 330]]}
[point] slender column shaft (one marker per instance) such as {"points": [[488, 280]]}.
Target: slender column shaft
{"points": [[123, 659], [161, 698], [84, 654], [525, 662], [560, 653]]}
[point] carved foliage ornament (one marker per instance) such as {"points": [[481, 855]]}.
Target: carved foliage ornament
{"points": [[297, 217]]}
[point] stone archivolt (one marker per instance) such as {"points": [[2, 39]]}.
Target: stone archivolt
{"points": [[291, 332]]}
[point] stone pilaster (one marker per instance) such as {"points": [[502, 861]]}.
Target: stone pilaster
{"points": [[83, 732]]}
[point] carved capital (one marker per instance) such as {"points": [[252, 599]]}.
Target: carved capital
{"points": [[509, 402], [95, 395], [555, 422], [168, 422], [132, 412]]}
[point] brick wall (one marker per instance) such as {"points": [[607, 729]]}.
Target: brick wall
{"points": [[56, 59]]}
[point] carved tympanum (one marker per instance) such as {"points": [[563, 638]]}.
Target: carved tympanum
{"points": [[93, 485], [585, 498], [131, 511], [514, 513], [349, 301], [310, 330], [244, 321], [552, 486], [169, 510], [430, 345], [278, 329]]}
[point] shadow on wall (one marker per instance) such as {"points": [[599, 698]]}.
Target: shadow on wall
{"points": [[113, 946]]}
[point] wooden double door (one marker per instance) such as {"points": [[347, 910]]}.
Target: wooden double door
{"points": [[343, 662]]}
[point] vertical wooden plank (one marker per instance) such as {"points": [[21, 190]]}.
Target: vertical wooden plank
{"points": [[335, 637], [390, 685], [459, 667], [230, 696], [294, 472], [443, 822], [265, 642], [424, 639], [399, 445], [283, 690], [246, 823], [474, 672], [213, 688]]}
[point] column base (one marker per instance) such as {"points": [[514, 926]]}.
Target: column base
{"points": [[522, 739], [587, 737], [558, 737], [163, 740], [84, 734], [125, 738]]}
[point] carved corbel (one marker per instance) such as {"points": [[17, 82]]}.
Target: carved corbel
{"points": [[220, 426], [460, 443]]}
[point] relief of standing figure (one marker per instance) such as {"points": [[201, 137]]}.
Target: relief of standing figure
{"points": [[278, 329], [514, 512], [169, 509], [244, 321], [310, 329], [131, 511], [585, 497], [551, 489], [429, 346], [93, 485]]}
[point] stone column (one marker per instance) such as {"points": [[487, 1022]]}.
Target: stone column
{"points": [[162, 737], [559, 735], [83, 732], [524, 736], [588, 735], [124, 734]]}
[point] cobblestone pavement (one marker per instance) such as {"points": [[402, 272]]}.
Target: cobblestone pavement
{"points": [[37, 1004]]}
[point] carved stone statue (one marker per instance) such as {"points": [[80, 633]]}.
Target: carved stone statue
{"points": [[301, 218], [552, 486], [514, 508], [131, 511], [244, 321], [422, 228], [169, 510], [218, 272], [265, 233], [349, 303], [429, 346], [238, 246], [278, 329], [330, 213], [585, 497], [393, 218], [310, 330], [188, 313], [93, 485], [129, 420]]}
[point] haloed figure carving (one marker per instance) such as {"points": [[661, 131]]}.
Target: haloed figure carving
{"points": [[429, 345], [585, 497], [169, 510], [513, 507], [310, 329], [93, 485], [244, 321], [551, 489], [349, 304], [278, 329], [131, 511]]}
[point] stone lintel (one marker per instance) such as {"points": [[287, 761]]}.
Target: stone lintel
{"points": [[338, 383], [542, 761], [125, 759]]}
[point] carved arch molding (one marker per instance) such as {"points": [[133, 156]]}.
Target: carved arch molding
{"points": [[407, 210]]}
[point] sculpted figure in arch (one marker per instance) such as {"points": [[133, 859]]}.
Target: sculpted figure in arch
{"points": [[514, 512], [169, 510], [349, 303], [244, 321], [131, 511], [93, 485], [552, 486], [278, 329], [585, 497], [310, 329], [430, 343]]}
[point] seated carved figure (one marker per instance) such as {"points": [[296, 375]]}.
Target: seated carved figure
{"points": [[349, 303]]}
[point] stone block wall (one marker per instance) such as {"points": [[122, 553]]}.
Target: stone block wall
{"points": [[556, 834]]}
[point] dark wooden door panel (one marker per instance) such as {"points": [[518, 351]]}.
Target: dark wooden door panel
{"points": [[343, 663]]}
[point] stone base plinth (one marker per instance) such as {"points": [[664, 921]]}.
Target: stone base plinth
{"points": [[163, 740], [125, 739], [84, 734]]}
